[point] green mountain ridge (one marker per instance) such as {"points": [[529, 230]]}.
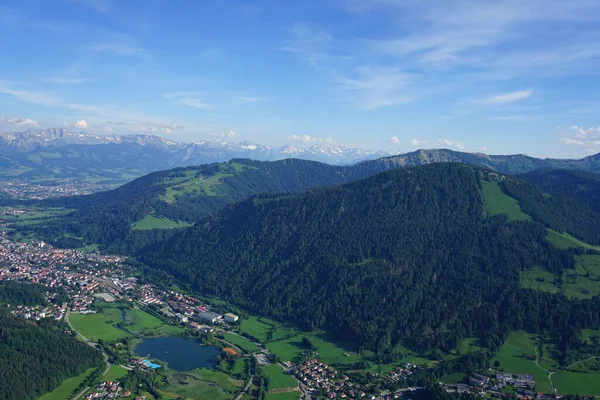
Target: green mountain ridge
{"points": [[187, 195], [409, 256]]}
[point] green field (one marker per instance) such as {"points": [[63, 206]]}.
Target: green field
{"points": [[256, 328], [283, 396], [290, 349], [220, 378], [583, 282], [99, 325], [539, 279], [577, 383], [115, 373], [511, 359], [66, 389], [565, 241], [278, 379], [140, 322], [454, 378], [497, 202], [241, 342], [152, 222]]}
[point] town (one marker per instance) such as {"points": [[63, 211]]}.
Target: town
{"points": [[24, 189]]}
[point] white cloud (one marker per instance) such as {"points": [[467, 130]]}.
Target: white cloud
{"points": [[377, 87], [82, 124], [394, 140], [417, 142], [109, 129], [65, 81], [19, 122], [483, 149], [509, 118], [506, 98], [451, 143], [224, 134], [309, 139], [586, 138], [189, 99], [248, 99]]}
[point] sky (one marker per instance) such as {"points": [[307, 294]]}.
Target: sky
{"points": [[502, 76]]}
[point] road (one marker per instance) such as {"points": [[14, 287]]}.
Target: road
{"points": [[245, 389], [90, 343]]}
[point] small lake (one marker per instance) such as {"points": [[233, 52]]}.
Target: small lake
{"points": [[180, 353]]}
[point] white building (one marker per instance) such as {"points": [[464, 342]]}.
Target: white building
{"points": [[231, 317]]}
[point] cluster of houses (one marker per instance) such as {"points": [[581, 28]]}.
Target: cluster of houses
{"points": [[482, 384], [318, 376], [109, 390], [403, 372]]}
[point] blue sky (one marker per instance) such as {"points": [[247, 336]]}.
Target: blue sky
{"points": [[503, 76]]}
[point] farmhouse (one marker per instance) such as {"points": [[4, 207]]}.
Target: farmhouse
{"points": [[231, 318]]}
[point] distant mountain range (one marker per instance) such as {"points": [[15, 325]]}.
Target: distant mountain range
{"points": [[59, 153]]}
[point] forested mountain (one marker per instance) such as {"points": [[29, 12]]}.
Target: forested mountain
{"points": [[409, 255], [183, 196], [36, 356], [580, 186]]}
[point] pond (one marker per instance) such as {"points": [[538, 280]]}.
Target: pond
{"points": [[180, 353]]}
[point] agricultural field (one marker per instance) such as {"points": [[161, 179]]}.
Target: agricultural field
{"points": [[256, 328], [66, 389], [241, 342], [278, 379], [99, 325], [497, 202], [220, 378], [513, 358], [202, 384], [283, 396], [585, 384], [158, 222], [290, 349], [115, 373]]}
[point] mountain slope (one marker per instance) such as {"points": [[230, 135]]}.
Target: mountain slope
{"points": [[185, 194], [407, 256], [580, 186]]}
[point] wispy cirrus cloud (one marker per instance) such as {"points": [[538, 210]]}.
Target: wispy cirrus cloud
{"points": [[310, 44], [376, 87], [190, 99], [506, 98]]}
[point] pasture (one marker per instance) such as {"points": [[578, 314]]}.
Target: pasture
{"points": [[67, 388], [157, 222], [513, 358], [115, 373], [278, 379], [99, 326], [241, 342], [256, 328], [497, 202], [585, 384]]}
